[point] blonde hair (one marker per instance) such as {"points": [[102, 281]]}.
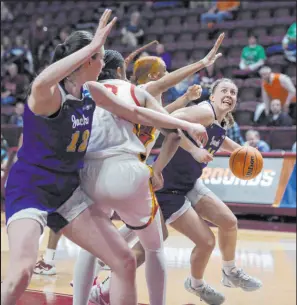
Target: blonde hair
{"points": [[145, 66], [228, 119]]}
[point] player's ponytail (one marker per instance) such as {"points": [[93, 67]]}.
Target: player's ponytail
{"points": [[76, 41], [229, 120]]}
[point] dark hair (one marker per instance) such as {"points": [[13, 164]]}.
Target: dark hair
{"points": [[228, 119], [76, 41], [253, 35], [112, 59]]}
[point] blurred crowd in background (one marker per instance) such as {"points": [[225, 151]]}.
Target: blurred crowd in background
{"points": [[259, 53]]}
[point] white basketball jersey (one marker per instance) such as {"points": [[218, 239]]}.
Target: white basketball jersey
{"points": [[111, 135], [149, 135]]}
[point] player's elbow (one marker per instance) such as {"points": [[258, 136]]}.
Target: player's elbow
{"points": [[174, 135], [37, 85]]}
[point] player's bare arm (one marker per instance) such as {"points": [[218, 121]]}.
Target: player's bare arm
{"points": [[171, 79], [192, 94], [140, 115], [229, 145], [153, 104], [45, 96]]}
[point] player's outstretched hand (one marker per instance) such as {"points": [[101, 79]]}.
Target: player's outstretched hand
{"points": [[103, 30], [212, 56], [198, 133]]}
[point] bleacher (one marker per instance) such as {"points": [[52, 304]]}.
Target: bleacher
{"points": [[180, 30]]}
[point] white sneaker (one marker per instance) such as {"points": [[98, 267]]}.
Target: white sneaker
{"points": [[206, 293], [97, 298], [45, 268], [239, 278]]}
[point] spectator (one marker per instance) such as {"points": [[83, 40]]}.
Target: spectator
{"points": [[277, 86], [220, 11], [20, 54], [14, 83], [143, 54], [39, 36], [7, 98], [64, 33], [253, 138], [234, 134], [6, 42], [160, 52], [170, 96], [252, 56], [17, 117], [207, 77], [4, 153], [132, 33], [294, 147], [289, 43], [277, 117], [191, 80]]}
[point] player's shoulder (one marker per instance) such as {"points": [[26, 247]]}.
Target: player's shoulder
{"points": [[117, 82], [206, 111], [205, 105], [145, 86]]}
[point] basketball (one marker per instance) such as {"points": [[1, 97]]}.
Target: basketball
{"points": [[246, 163]]}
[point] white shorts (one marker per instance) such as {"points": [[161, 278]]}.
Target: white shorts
{"points": [[192, 198], [121, 183], [197, 192]]}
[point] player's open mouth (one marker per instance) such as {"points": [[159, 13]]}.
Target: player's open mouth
{"points": [[227, 101]]}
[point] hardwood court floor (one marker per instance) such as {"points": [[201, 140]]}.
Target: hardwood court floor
{"points": [[270, 256]]}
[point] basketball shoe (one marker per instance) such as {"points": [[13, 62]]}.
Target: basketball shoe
{"points": [[206, 293], [97, 297], [238, 278], [45, 268]]}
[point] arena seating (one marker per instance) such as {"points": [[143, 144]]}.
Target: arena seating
{"points": [[183, 36]]}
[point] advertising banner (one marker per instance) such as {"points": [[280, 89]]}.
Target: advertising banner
{"points": [[289, 198], [261, 190]]}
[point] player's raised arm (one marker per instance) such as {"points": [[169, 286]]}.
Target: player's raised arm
{"points": [[193, 93], [44, 85], [131, 56], [171, 79]]}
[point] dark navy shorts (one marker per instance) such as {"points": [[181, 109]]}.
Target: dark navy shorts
{"points": [[173, 205], [52, 199]]}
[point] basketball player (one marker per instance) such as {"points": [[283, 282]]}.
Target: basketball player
{"points": [[150, 73], [185, 201], [146, 72], [187, 215], [43, 185], [32, 183], [114, 172], [46, 265]]}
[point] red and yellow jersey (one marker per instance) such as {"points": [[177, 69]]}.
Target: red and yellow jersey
{"points": [[147, 134], [112, 135]]}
